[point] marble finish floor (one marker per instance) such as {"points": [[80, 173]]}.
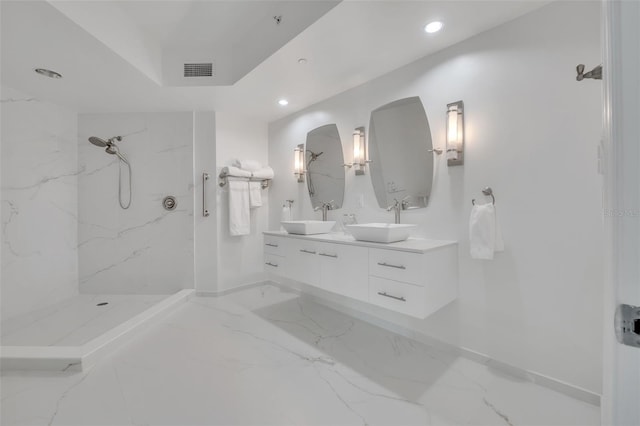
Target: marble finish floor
{"points": [[75, 321], [267, 356]]}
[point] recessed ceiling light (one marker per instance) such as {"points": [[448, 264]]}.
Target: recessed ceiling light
{"points": [[48, 73], [302, 60], [283, 102], [433, 27]]}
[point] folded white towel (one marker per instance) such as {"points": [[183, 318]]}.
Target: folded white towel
{"points": [[239, 205], [250, 165], [482, 231], [264, 173], [235, 171], [255, 194]]}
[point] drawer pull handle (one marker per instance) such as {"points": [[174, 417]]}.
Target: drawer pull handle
{"points": [[307, 251], [402, 299], [271, 264], [388, 265], [335, 256], [271, 245]]}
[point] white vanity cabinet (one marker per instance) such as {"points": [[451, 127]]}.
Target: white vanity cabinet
{"points": [[274, 255], [414, 277], [304, 262], [342, 269]]}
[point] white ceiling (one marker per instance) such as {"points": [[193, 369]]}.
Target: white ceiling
{"points": [[352, 43]]}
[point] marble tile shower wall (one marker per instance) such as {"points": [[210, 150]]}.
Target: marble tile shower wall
{"points": [[39, 203], [145, 249]]}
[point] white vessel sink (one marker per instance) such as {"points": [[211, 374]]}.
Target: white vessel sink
{"points": [[308, 227], [381, 232]]}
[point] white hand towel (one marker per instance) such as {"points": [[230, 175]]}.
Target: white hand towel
{"points": [[255, 194], [264, 173], [239, 214], [482, 231], [499, 245], [235, 171], [250, 165]]}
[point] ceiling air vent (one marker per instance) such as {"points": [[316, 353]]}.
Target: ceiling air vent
{"points": [[198, 70]]}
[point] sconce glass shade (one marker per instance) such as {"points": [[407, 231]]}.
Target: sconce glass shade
{"points": [[359, 151], [298, 162], [455, 134]]}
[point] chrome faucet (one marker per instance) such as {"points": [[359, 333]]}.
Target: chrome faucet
{"points": [[397, 206], [325, 207]]}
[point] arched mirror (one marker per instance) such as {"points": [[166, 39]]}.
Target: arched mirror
{"points": [[324, 165], [399, 149]]}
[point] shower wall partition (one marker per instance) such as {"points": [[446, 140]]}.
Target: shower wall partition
{"points": [[144, 249], [39, 203], [75, 265]]}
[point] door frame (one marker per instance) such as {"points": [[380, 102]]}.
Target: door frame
{"points": [[621, 162]]}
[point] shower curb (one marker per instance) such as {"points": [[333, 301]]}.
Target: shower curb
{"points": [[79, 358]]}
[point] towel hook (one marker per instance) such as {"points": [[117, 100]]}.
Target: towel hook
{"points": [[489, 193]]}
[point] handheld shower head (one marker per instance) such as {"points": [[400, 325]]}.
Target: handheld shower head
{"points": [[110, 147]]}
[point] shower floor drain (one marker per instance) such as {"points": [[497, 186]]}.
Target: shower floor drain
{"points": [[102, 303]]}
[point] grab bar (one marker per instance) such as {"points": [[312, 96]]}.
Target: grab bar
{"points": [[205, 178]]}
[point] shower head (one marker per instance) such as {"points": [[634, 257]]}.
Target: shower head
{"points": [[102, 143], [98, 141], [109, 145]]}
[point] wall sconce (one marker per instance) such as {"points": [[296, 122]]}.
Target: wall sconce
{"points": [[359, 151], [298, 162], [455, 134]]}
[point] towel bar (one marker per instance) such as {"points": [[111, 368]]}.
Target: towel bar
{"points": [[224, 179], [489, 193]]}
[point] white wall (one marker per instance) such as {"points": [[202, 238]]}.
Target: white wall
{"points": [[144, 249], [39, 201], [239, 257], [532, 133]]}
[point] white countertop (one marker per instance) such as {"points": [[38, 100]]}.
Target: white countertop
{"points": [[414, 245]]}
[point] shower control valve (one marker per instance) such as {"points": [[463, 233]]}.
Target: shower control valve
{"points": [[169, 203]]}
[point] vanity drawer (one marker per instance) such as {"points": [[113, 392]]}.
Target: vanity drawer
{"points": [[274, 245], [405, 298], [397, 266]]}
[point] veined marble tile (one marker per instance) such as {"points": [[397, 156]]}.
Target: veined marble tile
{"points": [[144, 249], [75, 321], [265, 356], [39, 203]]}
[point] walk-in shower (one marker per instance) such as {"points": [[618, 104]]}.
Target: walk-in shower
{"points": [[111, 148]]}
